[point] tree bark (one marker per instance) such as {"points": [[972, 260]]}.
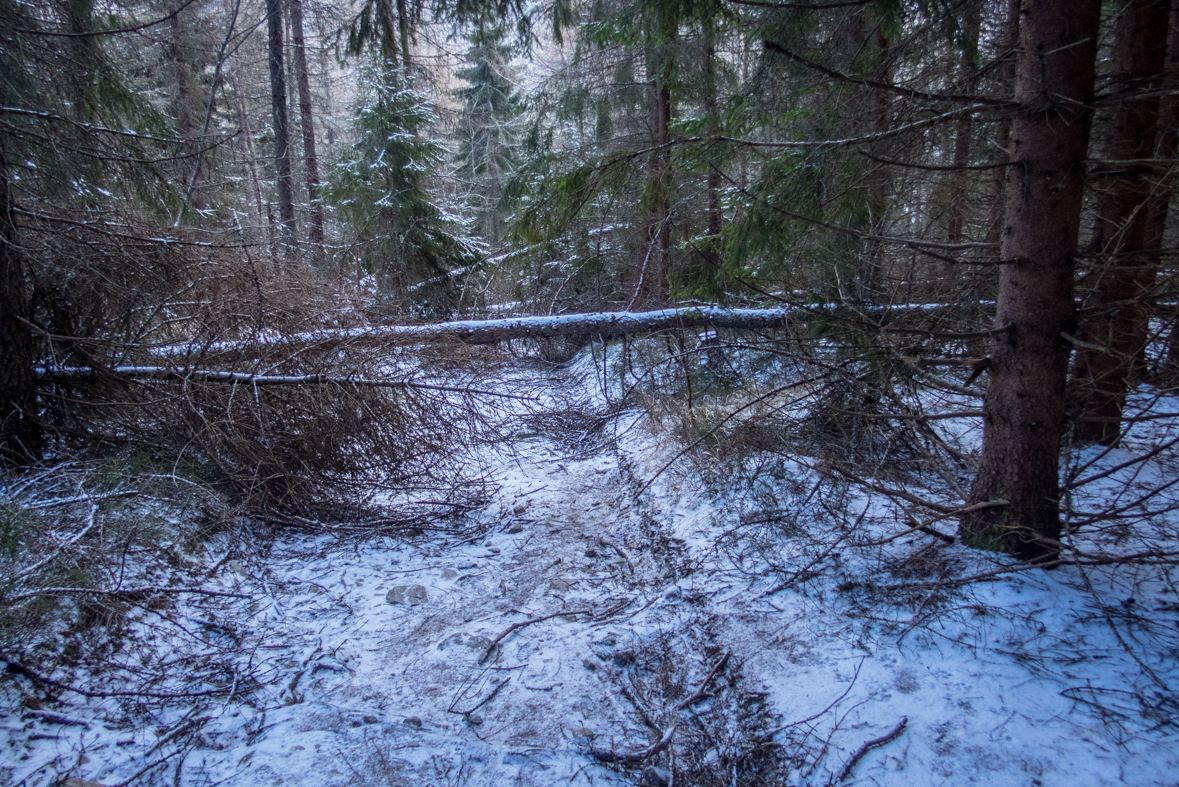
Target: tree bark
{"points": [[1123, 273], [870, 276], [1003, 133], [278, 102], [964, 128], [655, 238], [403, 33], [315, 232], [710, 109], [599, 325], [192, 144], [1166, 147], [1025, 406], [20, 431]]}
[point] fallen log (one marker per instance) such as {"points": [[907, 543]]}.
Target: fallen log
{"points": [[606, 325]]}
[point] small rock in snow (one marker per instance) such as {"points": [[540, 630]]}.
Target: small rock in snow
{"points": [[413, 721], [514, 529], [474, 719], [591, 552], [584, 733], [449, 573], [520, 508], [493, 550], [589, 664], [413, 595], [371, 719]]}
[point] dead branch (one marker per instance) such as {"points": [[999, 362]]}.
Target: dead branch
{"points": [[611, 757], [521, 624], [701, 693], [872, 744]]}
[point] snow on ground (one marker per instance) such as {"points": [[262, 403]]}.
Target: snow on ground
{"points": [[633, 614]]}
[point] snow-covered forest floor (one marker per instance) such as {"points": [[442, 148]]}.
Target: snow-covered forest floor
{"points": [[733, 620]]}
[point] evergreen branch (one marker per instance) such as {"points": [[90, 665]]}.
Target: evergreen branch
{"points": [[96, 33], [872, 83]]}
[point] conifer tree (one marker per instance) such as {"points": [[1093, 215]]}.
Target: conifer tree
{"points": [[488, 131], [381, 185]]}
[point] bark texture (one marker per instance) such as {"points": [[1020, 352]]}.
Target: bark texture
{"points": [[655, 237], [964, 128], [307, 123], [1025, 407], [1165, 149], [20, 431], [278, 102], [1003, 134], [1123, 273]]}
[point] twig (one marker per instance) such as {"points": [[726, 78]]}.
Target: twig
{"points": [[521, 624], [484, 701], [61, 547], [872, 744], [700, 695], [612, 758]]}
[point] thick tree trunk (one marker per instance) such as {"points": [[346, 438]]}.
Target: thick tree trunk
{"points": [[278, 102], [20, 431], [1025, 406], [1122, 273], [315, 232], [598, 325]]}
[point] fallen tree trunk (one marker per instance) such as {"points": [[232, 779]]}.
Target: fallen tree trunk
{"points": [[606, 325], [64, 373]]}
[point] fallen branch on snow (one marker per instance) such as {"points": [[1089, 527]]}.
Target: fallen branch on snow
{"points": [[521, 624], [872, 744]]}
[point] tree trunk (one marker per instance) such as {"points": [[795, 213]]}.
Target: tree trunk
{"points": [[315, 233], [1025, 405], [403, 33], [655, 237], [1166, 147], [1123, 273], [710, 109], [878, 183], [1003, 133], [278, 102], [180, 45], [964, 128], [20, 431]]}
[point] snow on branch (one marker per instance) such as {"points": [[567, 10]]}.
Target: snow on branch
{"points": [[604, 324]]}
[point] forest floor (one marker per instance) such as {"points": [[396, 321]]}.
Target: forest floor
{"points": [[585, 615]]}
